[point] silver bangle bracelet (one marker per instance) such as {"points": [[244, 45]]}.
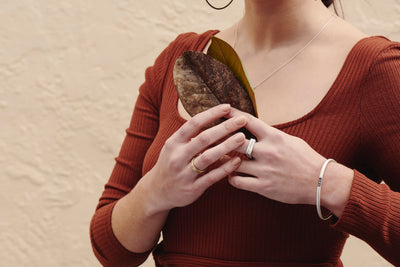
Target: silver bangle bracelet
{"points": [[318, 199]]}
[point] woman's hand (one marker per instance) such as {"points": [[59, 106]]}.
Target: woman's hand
{"points": [[285, 168], [173, 181]]}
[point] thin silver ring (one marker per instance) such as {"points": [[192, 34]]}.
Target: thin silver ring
{"points": [[250, 147]]}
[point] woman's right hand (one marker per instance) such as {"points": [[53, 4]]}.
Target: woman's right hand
{"points": [[173, 182]]}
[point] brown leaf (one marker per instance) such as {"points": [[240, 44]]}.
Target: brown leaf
{"points": [[203, 82], [223, 52]]}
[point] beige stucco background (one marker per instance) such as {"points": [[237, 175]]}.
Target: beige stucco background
{"points": [[69, 75]]}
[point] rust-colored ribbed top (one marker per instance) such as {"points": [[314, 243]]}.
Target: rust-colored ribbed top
{"points": [[357, 123]]}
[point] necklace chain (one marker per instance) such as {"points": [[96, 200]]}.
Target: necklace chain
{"points": [[270, 74]]}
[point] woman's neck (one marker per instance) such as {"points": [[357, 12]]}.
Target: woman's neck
{"points": [[267, 24]]}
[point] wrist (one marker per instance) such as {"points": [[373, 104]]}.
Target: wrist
{"points": [[152, 203], [336, 187], [135, 222]]}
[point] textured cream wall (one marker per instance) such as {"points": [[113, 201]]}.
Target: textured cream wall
{"points": [[69, 74]]}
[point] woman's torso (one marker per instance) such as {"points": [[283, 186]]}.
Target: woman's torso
{"points": [[227, 223]]}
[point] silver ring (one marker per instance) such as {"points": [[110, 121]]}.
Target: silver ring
{"points": [[250, 147]]}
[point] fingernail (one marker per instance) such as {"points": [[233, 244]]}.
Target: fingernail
{"points": [[239, 137], [240, 121], [236, 161], [225, 107]]}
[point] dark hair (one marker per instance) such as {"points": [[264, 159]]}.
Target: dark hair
{"points": [[327, 3]]}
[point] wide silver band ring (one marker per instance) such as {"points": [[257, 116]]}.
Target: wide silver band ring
{"points": [[249, 150]]}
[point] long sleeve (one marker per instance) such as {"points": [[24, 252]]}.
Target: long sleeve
{"points": [[373, 210], [358, 123], [128, 170]]}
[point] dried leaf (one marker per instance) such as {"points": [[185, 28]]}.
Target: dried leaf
{"points": [[223, 52], [203, 82]]}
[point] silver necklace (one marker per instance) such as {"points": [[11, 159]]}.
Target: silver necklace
{"points": [[270, 74]]}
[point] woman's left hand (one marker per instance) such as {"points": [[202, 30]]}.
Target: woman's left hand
{"points": [[284, 167]]}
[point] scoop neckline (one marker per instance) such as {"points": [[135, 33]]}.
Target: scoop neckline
{"points": [[334, 88]]}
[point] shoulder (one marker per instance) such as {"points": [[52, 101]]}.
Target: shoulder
{"points": [[161, 70], [193, 40], [383, 56], [359, 43], [388, 56], [372, 58], [376, 48], [183, 42], [380, 42], [381, 87], [189, 41]]}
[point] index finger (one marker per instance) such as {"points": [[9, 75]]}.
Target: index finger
{"points": [[254, 125], [193, 126]]}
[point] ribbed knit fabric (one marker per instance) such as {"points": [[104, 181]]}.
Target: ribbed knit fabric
{"points": [[357, 123]]}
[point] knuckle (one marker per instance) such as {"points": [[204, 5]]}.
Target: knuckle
{"points": [[229, 125], [278, 137], [194, 122], [229, 146], [265, 153], [265, 170], [182, 133], [168, 145], [205, 158], [203, 139], [211, 179], [207, 181], [270, 154], [236, 182], [227, 169], [174, 163], [277, 154]]}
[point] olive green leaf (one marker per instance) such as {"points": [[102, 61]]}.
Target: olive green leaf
{"points": [[223, 52]]}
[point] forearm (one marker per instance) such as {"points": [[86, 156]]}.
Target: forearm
{"points": [[336, 186], [134, 221]]}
